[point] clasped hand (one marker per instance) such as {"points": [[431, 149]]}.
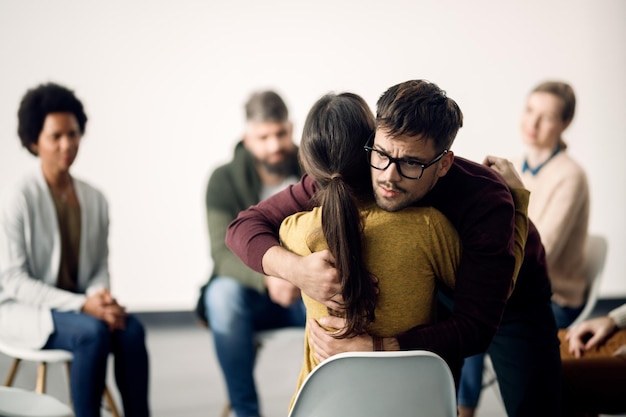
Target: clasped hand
{"points": [[103, 306]]}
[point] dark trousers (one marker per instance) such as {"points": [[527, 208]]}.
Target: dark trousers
{"points": [[526, 360], [90, 340]]}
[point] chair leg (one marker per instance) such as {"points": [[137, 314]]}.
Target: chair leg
{"points": [[68, 368], [40, 388], [11, 375], [226, 410], [110, 402]]}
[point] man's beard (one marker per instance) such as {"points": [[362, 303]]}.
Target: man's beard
{"points": [[282, 168]]}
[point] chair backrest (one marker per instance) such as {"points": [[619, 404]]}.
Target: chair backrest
{"points": [[395, 384], [595, 257]]}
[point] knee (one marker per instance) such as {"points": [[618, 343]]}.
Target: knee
{"points": [[225, 302], [94, 332], [223, 293], [134, 330]]}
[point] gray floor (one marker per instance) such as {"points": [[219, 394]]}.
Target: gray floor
{"points": [[185, 379]]}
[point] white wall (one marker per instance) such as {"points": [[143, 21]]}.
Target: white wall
{"points": [[164, 83]]}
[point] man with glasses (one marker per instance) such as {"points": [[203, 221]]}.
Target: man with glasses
{"points": [[237, 301], [412, 164]]}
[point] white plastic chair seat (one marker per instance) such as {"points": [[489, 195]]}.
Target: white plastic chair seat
{"points": [[16, 402], [35, 355]]}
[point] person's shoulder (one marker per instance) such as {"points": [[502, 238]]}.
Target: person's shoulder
{"points": [[465, 169], [87, 186], [26, 185], [564, 163], [239, 161], [303, 218], [293, 227], [469, 178]]}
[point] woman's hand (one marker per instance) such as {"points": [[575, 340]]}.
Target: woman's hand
{"points": [[505, 168], [589, 333], [103, 306]]}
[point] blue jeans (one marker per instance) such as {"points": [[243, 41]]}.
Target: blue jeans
{"points": [[470, 384], [235, 313], [90, 340]]}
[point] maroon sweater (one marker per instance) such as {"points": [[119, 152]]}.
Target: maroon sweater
{"points": [[478, 203]]}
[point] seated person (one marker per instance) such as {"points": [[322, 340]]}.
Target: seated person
{"points": [[236, 301], [559, 207], [54, 271]]}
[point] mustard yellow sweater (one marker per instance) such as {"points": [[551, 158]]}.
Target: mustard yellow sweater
{"points": [[407, 251]]}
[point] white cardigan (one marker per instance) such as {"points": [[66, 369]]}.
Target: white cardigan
{"points": [[30, 255]]}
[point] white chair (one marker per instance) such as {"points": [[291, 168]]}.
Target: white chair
{"points": [[17, 402], [44, 357], [374, 384], [262, 337], [596, 250]]}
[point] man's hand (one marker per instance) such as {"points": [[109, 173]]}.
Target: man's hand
{"points": [[598, 328], [505, 168], [282, 292], [325, 345], [314, 274]]}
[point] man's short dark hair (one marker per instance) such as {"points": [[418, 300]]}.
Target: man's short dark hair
{"points": [[266, 106], [419, 107], [40, 101]]}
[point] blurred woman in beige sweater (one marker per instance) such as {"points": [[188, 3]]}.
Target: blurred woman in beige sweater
{"points": [[559, 207], [559, 203]]}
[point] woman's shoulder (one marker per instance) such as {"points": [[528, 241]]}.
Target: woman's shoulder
{"points": [[27, 185], [565, 163], [88, 189], [414, 216]]}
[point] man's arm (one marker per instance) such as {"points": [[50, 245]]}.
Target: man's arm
{"points": [[255, 230], [253, 237], [480, 205], [326, 345]]}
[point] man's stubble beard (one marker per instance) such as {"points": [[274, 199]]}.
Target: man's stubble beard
{"points": [[282, 168]]}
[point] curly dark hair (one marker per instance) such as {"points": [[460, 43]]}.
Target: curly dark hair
{"points": [[40, 101]]}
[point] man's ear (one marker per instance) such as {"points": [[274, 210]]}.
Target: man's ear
{"points": [[445, 164], [34, 148]]}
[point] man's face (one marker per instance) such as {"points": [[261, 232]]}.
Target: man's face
{"points": [[271, 143], [394, 192]]}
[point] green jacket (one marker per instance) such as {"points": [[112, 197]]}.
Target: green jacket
{"points": [[234, 187]]}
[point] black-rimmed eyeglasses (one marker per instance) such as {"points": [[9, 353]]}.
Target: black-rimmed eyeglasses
{"points": [[408, 168]]}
